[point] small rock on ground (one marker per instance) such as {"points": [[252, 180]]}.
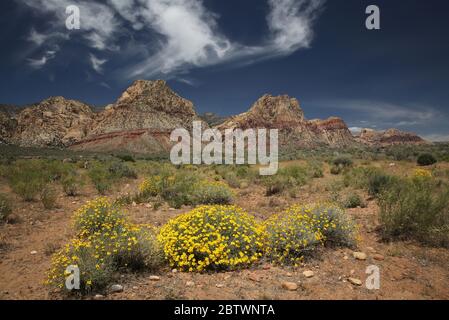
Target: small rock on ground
{"points": [[154, 278], [116, 288], [355, 281], [290, 286], [359, 255], [308, 274]]}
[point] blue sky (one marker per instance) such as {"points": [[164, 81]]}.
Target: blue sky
{"points": [[223, 55]]}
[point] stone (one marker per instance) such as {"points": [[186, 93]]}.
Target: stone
{"points": [[308, 274], [190, 284], [359, 255], [154, 278], [355, 281], [290, 286], [116, 288], [33, 252], [98, 297], [220, 285], [378, 257], [254, 277]]}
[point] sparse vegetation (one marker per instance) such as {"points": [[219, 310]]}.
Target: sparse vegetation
{"points": [[5, 208], [416, 208]]}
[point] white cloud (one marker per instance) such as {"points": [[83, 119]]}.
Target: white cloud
{"points": [[39, 63], [97, 63], [184, 33]]}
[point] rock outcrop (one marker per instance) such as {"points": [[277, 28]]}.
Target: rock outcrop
{"points": [[55, 122], [141, 120], [389, 137], [284, 113]]}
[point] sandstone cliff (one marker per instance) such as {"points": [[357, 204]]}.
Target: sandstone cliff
{"points": [[284, 113], [389, 137]]}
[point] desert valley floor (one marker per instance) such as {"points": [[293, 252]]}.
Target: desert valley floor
{"points": [[408, 270]]}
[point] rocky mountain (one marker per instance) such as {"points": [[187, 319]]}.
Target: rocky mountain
{"points": [[389, 137], [141, 120], [284, 113], [55, 122]]}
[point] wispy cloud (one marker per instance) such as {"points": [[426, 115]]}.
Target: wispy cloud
{"points": [[184, 33], [41, 62], [97, 63]]}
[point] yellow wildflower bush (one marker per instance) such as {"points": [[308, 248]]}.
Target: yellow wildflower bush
{"points": [[422, 173], [106, 241], [97, 216], [150, 187], [300, 230], [331, 220], [291, 236], [212, 238]]}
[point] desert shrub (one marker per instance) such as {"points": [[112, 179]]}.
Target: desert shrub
{"points": [[106, 242], [315, 169], [206, 192], [378, 181], [286, 178], [416, 208], [126, 158], [48, 196], [426, 159], [337, 227], [336, 170], [121, 170], [5, 208], [359, 177], [343, 162], [232, 179], [353, 201], [27, 178], [290, 237], [101, 178], [177, 189], [212, 238], [276, 184], [71, 183]]}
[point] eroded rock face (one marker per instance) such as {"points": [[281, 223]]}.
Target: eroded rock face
{"points": [[389, 137], [7, 126], [55, 122], [284, 113], [141, 120], [146, 105]]}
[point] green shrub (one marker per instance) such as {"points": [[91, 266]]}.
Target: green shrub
{"points": [[27, 178], [315, 169], [48, 197], [276, 184], [120, 170], [71, 183], [377, 182], [426, 159], [359, 177], [126, 158], [5, 208], [101, 178], [354, 201], [416, 208], [207, 192], [232, 179], [286, 178], [336, 170], [343, 162]]}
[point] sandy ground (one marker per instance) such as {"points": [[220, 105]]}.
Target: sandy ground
{"points": [[407, 270]]}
